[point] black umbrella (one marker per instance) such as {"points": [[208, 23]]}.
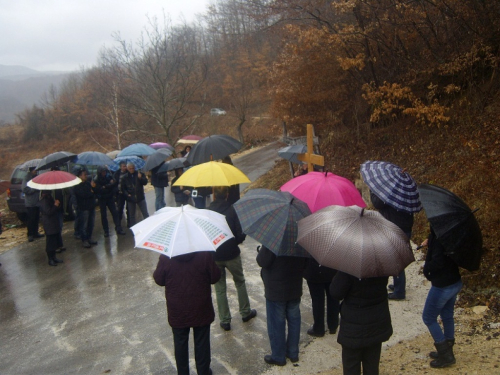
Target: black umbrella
{"points": [[156, 159], [455, 226], [213, 147], [56, 159], [172, 164]]}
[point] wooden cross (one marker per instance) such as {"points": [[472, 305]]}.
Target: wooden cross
{"points": [[310, 157]]}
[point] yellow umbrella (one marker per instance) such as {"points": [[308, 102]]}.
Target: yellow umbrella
{"points": [[212, 173]]}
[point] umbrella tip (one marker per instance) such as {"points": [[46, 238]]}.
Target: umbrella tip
{"points": [[362, 212]]}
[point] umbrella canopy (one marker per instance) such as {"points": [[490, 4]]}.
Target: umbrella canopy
{"points": [[4, 185], [93, 158], [320, 190], [270, 217], [212, 174], [392, 185], [33, 163], [290, 153], [158, 145], [355, 241], [157, 159], [137, 161], [181, 230], [56, 159], [53, 180], [172, 164], [454, 224], [137, 149], [213, 147], [113, 154], [190, 139]]}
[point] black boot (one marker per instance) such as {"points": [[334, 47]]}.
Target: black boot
{"points": [[55, 260], [52, 263], [434, 355], [445, 355]]}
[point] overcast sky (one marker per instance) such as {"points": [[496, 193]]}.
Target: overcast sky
{"points": [[68, 34]]}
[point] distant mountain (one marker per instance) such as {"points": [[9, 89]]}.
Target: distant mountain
{"points": [[22, 87]]}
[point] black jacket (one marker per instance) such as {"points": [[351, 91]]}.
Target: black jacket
{"points": [[439, 268], [159, 179], [282, 276], [85, 197], [133, 186], [105, 185], [178, 192], [314, 273], [49, 211], [402, 219], [364, 312], [229, 249]]}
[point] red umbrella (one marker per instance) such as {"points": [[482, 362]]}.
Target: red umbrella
{"points": [[4, 185], [54, 180], [322, 189]]}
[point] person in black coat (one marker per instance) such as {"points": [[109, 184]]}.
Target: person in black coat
{"points": [[365, 321], [444, 275], [49, 209], [234, 190], [120, 198], [160, 181], [105, 189], [132, 187], [181, 193], [282, 277], [228, 256], [85, 202], [404, 221], [319, 279]]}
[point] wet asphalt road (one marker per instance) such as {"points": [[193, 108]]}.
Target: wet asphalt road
{"points": [[101, 312]]}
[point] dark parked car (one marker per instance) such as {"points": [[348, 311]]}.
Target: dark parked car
{"points": [[15, 196]]}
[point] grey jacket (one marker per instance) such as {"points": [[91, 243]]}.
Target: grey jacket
{"points": [[31, 196]]}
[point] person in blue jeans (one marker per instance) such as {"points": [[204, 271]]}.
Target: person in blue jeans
{"points": [[444, 275], [282, 277], [160, 181]]}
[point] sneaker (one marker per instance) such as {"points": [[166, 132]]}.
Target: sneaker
{"points": [[60, 250], [39, 235], [225, 326], [93, 242], [394, 297], [30, 239], [312, 332], [121, 232], [269, 360], [253, 314], [86, 244], [390, 287]]}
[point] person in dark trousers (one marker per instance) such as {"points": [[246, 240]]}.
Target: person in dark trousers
{"points": [[160, 181], [59, 195], [181, 193], [187, 280], [446, 283], [132, 187], [228, 257], [49, 209], [319, 279], [31, 198], [365, 321], [234, 190], [120, 198], [105, 189], [282, 277], [85, 201], [404, 221]]}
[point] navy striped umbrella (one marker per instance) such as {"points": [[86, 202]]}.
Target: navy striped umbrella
{"points": [[270, 217], [137, 161], [392, 185]]}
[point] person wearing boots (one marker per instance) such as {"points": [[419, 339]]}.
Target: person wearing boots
{"points": [[31, 197], [120, 198], [105, 189], [85, 201], [132, 187], [446, 282], [50, 211]]}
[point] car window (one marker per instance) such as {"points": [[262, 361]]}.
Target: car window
{"points": [[17, 176]]}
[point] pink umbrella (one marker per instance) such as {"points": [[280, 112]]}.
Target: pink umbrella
{"points": [[54, 180], [322, 189]]}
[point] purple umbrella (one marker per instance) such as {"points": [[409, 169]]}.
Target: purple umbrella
{"points": [[158, 145]]}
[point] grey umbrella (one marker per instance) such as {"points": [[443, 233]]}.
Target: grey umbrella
{"points": [[213, 147], [33, 163], [355, 241], [56, 159], [290, 153], [156, 159], [172, 164]]}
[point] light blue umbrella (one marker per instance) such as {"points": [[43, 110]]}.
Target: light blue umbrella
{"points": [[93, 158], [137, 149], [137, 161]]}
